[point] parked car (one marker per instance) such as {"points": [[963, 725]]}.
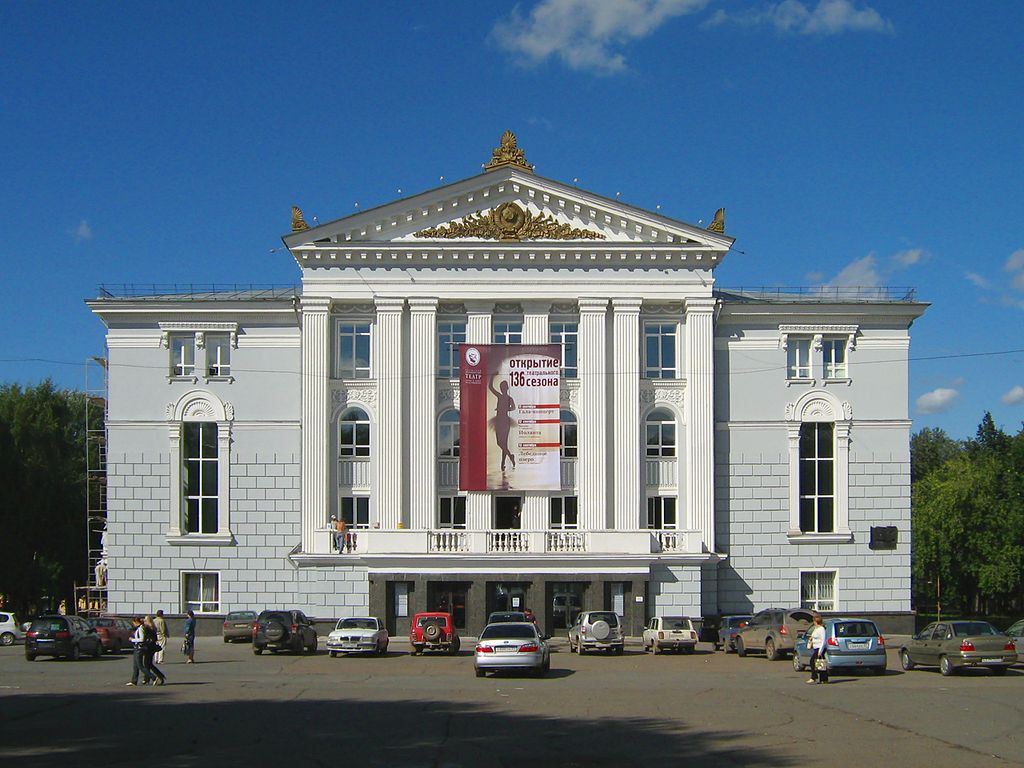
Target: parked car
{"points": [[10, 632], [953, 645], [727, 631], [283, 631], [67, 636], [115, 634], [514, 646], [358, 635], [1016, 633], [774, 631], [849, 644], [238, 625], [676, 633], [503, 617], [434, 631], [597, 630]]}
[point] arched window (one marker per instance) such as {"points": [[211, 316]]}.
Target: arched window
{"points": [[448, 435], [567, 435], [661, 433], [354, 433]]}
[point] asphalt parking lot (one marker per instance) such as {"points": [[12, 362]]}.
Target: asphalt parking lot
{"points": [[706, 709]]}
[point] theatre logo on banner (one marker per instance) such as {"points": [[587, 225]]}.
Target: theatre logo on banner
{"points": [[508, 424]]}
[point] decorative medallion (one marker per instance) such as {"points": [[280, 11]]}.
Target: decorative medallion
{"points": [[298, 223], [510, 224], [718, 223], [508, 154]]}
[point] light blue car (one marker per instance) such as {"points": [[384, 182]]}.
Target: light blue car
{"points": [[849, 644]]}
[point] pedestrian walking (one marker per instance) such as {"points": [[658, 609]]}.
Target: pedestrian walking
{"points": [[151, 646], [138, 641], [161, 636], [189, 646], [816, 642]]}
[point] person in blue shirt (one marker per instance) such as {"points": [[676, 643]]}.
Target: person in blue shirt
{"points": [[189, 646]]}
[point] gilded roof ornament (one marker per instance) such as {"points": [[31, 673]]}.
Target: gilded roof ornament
{"points": [[298, 223], [508, 154], [509, 223], [718, 223]]}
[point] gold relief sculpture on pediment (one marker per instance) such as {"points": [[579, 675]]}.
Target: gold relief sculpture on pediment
{"points": [[508, 153], [509, 223]]}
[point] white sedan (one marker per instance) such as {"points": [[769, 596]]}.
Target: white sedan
{"points": [[358, 635], [670, 632]]}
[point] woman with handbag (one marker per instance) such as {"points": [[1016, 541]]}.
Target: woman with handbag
{"points": [[151, 648], [816, 642]]}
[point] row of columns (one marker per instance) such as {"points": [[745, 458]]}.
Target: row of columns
{"points": [[609, 418]]}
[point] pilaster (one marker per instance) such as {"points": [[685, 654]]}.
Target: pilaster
{"points": [[626, 416], [422, 422], [389, 479], [478, 331], [535, 331], [700, 418], [593, 417], [316, 356]]}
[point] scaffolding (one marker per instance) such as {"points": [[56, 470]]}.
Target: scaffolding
{"points": [[91, 598]]}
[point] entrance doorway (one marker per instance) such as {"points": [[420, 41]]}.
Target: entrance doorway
{"points": [[449, 597], [507, 515], [507, 596], [565, 601]]}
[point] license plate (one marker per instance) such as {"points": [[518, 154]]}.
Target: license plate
{"points": [[992, 661], [858, 644], [506, 649]]}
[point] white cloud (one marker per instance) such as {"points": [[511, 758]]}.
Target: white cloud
{"points": [[1016, 261], [978, 280], [936, 401], [828, 17], [814, 277], [585, 34], [861, 272], [82, 232], [1014, 396], [908, 258]]}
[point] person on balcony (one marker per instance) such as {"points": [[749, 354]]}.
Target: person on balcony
{"points": [[340, 535]]}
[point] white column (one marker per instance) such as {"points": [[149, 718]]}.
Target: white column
{"points": [[700, 418], [535, 331], [626, 417], [316, 356], [478, 331], [389, 466], [592, 464], [422, 424]]}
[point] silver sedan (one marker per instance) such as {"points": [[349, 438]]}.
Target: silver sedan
{"points": [[514, 646]]}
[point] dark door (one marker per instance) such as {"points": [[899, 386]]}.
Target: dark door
{"points": [[507, 513], [450, 597]]}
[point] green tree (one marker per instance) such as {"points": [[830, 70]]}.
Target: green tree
{"points": [[930, 449]]}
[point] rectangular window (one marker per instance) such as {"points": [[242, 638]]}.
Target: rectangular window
{"points": [[183, 354], [566, 335], [449, 336], [218, 354], [798, 358], [818, 590], [564, 513], [401, 599], [817, 477], [201, 592], [508, 333], [834, 358], [661, 512], [200, 476], [659, 350], [451, 512], [355, 511], [353, 351]]}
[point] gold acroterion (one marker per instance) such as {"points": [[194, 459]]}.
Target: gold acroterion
{"points": [[509, 223], [298, 223], [718, 223], [508, 154]]}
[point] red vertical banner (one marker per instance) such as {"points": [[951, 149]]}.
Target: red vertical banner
{"points": [[509, 417]]}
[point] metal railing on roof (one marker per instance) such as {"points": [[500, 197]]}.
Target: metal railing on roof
{"points": [[819, 293], [198, 291]]}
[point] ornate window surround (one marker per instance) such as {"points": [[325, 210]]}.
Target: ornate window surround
{"points": [[200, 329], [817, 333], [200, 405], [818, 406]]}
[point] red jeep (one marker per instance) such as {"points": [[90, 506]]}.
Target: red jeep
{"points": [[433, 631]]}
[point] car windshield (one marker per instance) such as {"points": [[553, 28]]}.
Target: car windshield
{"points": [[357, 624], [49, 625], [676, 623], [241, 615], [428, 620], [856, 629], [100, 622], [608, 617], [518, 631], [972, 628], [737, 621], [276, 616], [507, 616]]}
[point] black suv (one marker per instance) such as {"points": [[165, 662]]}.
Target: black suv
{"points": [[283, 631], [57, 635]]}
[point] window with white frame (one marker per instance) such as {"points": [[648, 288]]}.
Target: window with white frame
{"points": [[449, 335], [568, 445], [200, 476], [661, 433], [798, 357], [183, 354], [218, 355], [564, 513], [833, 358], [818, 590], [660, 350], [508, 332], [566, 336], [448, 435], [661, 512], [355, 511], [200, 592], [353, 350], [451, 512], [817, 477], [353, 433]]}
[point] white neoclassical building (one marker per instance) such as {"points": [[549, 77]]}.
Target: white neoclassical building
{"points": [[721, 451]]}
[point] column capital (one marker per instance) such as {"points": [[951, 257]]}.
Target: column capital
{"points": [[424, 304], [593, 305], [535, 307], [389, 303], [316, 304], [627, 305], [478, 307], [701, 304]]}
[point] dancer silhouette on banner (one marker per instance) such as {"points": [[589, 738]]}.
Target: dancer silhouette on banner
{"points": [[502, 421]]}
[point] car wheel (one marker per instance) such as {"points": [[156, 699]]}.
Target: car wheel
{"points": [[481, 673], [333, 654], [456, 647], [30, 657], [579, 647], [770, 651], [999, 671], [878, 670], [905, 661], [7, 638], [619, 650], [946, 666], [741, 649], [98, 650], [729, 647], [654, 647], [76, 653], [257, 650], [691, 648], [797, 666], [274, 631], [225, 641], [417, 650]]}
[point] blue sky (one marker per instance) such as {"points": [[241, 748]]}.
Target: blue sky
{"points": [[851, 142]]}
